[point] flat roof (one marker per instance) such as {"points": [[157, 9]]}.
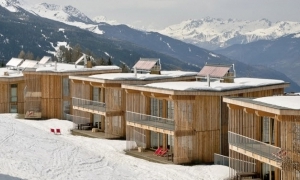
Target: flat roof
{"points": [[240, 85], [131, 76], [10, 73], [280, 105], [63, 67]]}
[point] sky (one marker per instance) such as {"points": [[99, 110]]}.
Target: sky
{"points": [[158, 14]]}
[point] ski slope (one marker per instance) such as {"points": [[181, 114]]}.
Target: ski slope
{"points": [[29, 151]]}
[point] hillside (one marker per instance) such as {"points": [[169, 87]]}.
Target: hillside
{"points": [[282, 54]]}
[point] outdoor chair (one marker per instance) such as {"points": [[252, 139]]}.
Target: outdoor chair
{"points": [[52, 130], [58, 131], [158, 150], [163, 153]]}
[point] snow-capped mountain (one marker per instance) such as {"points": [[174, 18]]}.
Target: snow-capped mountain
{"points": [[11, 5], [59, 13], [211, 33], [100, 19]]}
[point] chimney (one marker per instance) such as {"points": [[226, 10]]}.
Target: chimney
{"points": [[55, 65], [135, 73], [208, 80]]}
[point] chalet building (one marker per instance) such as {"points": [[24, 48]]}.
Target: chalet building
{"points": [[40, 89], [12, 87], [265, 132], [189, 119], [100, 101]]}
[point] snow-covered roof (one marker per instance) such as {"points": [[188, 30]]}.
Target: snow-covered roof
{"points": [[131, 76], [291, 102], [10, 73], [239, 83], [62, 67]]}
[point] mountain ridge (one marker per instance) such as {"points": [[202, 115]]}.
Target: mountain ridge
{"points": [[216, 33]]}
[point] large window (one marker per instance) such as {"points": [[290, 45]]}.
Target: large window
{"points": [[156, 107], [13, 93], [267, 130], [96, 94]]}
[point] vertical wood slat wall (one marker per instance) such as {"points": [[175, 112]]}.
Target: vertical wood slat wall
{"points": [[82, 91], [5, 96]]}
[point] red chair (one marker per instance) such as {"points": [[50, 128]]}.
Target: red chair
{"points": [[158, 150], [52, 130], [163, 152], [58, 131]]}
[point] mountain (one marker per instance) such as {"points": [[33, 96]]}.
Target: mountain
{"points": [[281, 54], [21, 30], [211, 33]]}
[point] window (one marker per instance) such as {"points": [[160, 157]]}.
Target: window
{"points": [[267, 130], [66, 86], [171, 109], [13, 108], [13, 93], [96, 94], [156, 107]]}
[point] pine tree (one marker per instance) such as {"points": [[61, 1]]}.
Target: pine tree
{"points": [[124, 68], [109, 62], [21, 55]]}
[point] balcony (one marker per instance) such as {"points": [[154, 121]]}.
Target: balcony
{"points": [[77, 119], [89, 106], [151, 121], [255, 149]]}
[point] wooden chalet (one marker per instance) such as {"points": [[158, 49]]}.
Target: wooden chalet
{"points": [[265, 132], [12, 87], [101, 101], [189, 119], [47, 92]]}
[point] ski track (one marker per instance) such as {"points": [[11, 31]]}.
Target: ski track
{"points": [[30, 152]]}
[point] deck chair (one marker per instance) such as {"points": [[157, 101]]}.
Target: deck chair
{"points": [[163, 152], [58, 131], [52, 130], [158, 150]]}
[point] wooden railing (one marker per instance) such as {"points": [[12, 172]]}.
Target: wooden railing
{"points": [[153, 121], [257, 147], [89, 104]]}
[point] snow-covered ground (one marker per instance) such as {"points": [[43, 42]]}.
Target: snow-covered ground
{"points": [[30, 151]]}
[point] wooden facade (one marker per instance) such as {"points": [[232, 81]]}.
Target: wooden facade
{"points": [[12, 96], [49, 93], [272, 127], [112, 117], [199, 118]]}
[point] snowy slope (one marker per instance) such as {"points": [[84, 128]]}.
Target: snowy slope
{"points": [[214, 33], [10, 5], [30, 151]]}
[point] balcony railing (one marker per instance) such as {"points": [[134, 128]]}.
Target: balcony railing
{"points": [[257, 147], [77, 119], [237, 164], [153, 121], [89, 104]]}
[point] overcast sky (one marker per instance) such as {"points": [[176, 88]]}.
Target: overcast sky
{"points": [[157, 14]]}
